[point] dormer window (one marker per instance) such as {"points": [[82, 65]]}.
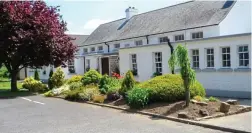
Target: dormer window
{"points": [[100, 48], [85, 50], [179, 37], [197, 35], [93, 49], [117, 46], [163, 39], [139, 42]]}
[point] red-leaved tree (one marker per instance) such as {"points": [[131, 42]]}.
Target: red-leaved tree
{"points": [[32, 34]]}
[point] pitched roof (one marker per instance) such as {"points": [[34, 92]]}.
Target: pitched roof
{"points": [[79, 39], [168, 19]]}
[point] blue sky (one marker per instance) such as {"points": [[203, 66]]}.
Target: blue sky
{"points": [[84, 16]]}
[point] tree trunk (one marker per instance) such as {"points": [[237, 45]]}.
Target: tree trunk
{"points": [[14, 81], [172, 50], [187, 91]]}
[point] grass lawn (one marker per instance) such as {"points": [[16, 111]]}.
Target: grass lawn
{"points": [[5, 91]]}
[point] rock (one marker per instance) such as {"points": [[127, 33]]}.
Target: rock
{"points": [[232, 102], [194, 101], [202, 103], [224, 107], [183, 115], [203, 112]]}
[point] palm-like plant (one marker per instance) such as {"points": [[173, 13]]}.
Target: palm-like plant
{"points": [[180, 58]]}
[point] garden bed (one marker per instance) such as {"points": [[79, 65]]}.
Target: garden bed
{"points": [[173, 109]]}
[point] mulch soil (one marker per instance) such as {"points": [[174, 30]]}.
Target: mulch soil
{"points": [[172, 109]]}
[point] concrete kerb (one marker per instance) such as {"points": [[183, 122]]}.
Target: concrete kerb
{"points": [[171, 118]]}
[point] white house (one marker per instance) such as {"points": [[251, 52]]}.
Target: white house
{"points": [[139, 42]]}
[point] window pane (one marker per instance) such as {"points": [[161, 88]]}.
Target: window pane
{"points": [[245, 48], [241, 62], [228, 64], [241, 56], [246, 56], [240, 49], [246, 63]]}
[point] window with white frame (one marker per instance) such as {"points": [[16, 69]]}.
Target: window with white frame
{"points": [[179, 37], [139, 42], [134, 64], [85, 50], [126, 45], [71, 68], [195, 58], [93, 49], [100, 48], [163, 39], [197, 35], [158, 62], [243, 56], [210, 57], [117, 46], [226, 62]]}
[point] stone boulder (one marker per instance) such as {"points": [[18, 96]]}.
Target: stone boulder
{"points": [[232, 102], [184, 115], [203, 112], [202, 103], [194, 101], [224, 107]]}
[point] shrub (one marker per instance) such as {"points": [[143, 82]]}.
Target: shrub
{"points": [[169, 88], [155, 74], [89, 92], [109, 84], [98, 98], [36, 75], [58, 78], [75, 78], [73, 95], [4, 72], [198, 98], [84, 93], [58, 91], [75, 85], [104, 84], [128, 83], [213, 99], [50, 85], [34, 85], [48, 94], [92, 76], [138, 97]]}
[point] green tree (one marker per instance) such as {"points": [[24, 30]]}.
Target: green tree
{"points": [[180, 58], [128, 83], [36, 75]]}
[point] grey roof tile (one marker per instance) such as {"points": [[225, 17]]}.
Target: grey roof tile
{"points": [[168, 19]]}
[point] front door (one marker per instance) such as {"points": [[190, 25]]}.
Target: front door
{"points": [[105, 65]]}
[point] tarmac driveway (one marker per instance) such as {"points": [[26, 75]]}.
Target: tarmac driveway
{"points": [[36, 114]]}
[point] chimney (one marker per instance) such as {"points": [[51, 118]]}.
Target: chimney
{"points": [[131, 11]]}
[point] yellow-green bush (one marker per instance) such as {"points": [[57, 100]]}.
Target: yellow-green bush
{"points": [[48, 94], [169, 88], [75, 78], [98, 98], [128, 83], [91, 77], [84, 93], [198, 98], [34, 85], [57, 78]]}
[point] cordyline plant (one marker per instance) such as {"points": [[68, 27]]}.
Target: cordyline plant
{"points": [[180, 58], [32, 34]]}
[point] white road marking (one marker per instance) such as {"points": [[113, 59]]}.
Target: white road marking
{"points": [[32, 101], [38, 102], [26, 99]]}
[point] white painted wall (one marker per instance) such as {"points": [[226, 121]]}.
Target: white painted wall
{"points": [[234, 81]]}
